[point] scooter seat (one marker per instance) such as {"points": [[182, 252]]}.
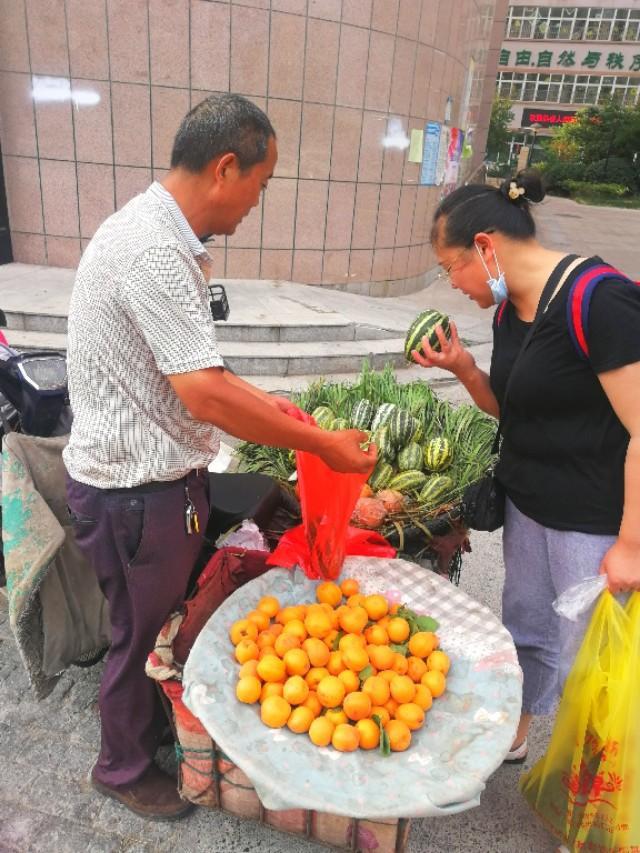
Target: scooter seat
{"points": [[234, 497]]}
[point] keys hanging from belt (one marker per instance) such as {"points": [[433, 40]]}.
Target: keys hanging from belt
{"points": [[191, 520]]}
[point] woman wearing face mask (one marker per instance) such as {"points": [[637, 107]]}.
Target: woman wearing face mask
{"points": [[570, 455]]}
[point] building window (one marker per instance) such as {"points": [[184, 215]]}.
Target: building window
{"points": [[537, 87], [590, 23]]}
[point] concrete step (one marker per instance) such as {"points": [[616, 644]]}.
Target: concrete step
{"points": [[282, 358], [325, 327]]}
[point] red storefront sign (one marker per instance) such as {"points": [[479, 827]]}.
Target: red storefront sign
{"points": [[547, 118]]}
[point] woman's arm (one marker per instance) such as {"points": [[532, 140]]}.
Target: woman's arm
{"points": [[459, 361], [621, 563]]}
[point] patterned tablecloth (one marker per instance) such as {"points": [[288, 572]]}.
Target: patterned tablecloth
{"points": [[467, 732]]}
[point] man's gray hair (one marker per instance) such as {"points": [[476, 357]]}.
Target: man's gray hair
{"points": [[221, 124]]}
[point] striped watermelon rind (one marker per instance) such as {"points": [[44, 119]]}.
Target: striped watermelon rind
{"points": [[381, 476], [382, 440], [362, 414], [400, 426], [339, 423], [425, 326], [410, 458], [382, 415], [435, 491], [323, 416], [408, 482], [438, 454]]}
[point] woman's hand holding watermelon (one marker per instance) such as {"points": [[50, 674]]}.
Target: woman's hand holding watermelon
{"points": [[452, 356]]}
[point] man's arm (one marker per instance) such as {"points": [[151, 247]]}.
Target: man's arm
{"points": [[270, 399], [209, 396]]}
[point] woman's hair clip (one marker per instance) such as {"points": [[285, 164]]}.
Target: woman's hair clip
{"points": [[515, 191]]}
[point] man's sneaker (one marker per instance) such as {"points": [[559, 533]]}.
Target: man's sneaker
{"points": [[518, 754], [154, 796]]}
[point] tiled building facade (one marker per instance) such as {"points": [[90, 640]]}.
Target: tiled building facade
{"points": [[92, 92]]}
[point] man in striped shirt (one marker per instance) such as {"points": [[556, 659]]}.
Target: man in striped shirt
{"points": [[150, 394]]}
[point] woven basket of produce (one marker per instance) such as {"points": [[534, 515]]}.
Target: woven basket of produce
{"points": [[428, 453]]}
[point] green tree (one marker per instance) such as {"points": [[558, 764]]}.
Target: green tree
{"points": [[499, 133], [597, 133]]}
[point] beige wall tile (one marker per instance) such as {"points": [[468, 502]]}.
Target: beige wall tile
{"points": [[59, 198], [47, 37], [310, 214], [28, 248], [168, 108], [63, 252], [400, 261], [413, 266], [128, 40], [131, 124], [14, 52], [276, 264], [243, 263], [339, 215], [297, 7], [394, 157], [96, 196], [321, 61], [385, 15], [22, 181], [409, 18], [378, 86], [352, 67], [428, 23], [278, 213], [360, 263], [169, 42], [374, 128], [329, 9], [286, 55], [55, 130], [249, 232], [219, 258], [357, 12], [315, 143], [87, 31], [382, 260], [335, 269], [16, 115], [405, 215], [366, 216], [285, 117], [130, 182], [249, 50], [256, 4], [346, 144], [307, 266], [421, 229], [93, 131], [402, 79], [210, 27], [387, 216], [421, 78]]}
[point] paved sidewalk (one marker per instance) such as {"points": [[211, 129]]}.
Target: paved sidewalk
{"points": [[48, 748]]}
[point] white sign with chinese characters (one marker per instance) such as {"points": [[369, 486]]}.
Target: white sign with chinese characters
{"points": [[580, 58]]}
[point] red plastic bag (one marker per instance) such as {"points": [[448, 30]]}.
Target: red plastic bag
{"points": [[320, 544]]}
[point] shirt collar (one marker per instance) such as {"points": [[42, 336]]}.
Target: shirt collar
{"points": [[168, 201]]}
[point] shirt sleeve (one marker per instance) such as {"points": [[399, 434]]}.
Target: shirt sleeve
{"points": [[166, 299], [613, 332]]}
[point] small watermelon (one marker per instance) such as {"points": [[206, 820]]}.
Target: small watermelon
{"points": [[425, 326], [339, 423], [362, 414], [400, 426], [382, 440], [323, 416], [410, 457], [438, 454], [407, 482], [381, 475], [382, 415], [435, 490], [417, 433]]}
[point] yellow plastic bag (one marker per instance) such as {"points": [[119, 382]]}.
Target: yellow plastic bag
{"points": [[586, 789]]}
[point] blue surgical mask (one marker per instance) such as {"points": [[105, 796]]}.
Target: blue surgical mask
{"points": [[498, 286]]}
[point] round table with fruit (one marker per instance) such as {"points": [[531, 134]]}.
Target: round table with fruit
{"points": [[387, 693]]}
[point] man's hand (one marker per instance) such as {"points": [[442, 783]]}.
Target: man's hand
{"points": [[341, 451]]}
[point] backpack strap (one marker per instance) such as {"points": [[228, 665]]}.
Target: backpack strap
{"points": [[500, 311], [579, 300]]}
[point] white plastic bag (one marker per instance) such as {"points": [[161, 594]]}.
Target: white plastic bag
{"points": [[247, 535], [578, 599]]}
